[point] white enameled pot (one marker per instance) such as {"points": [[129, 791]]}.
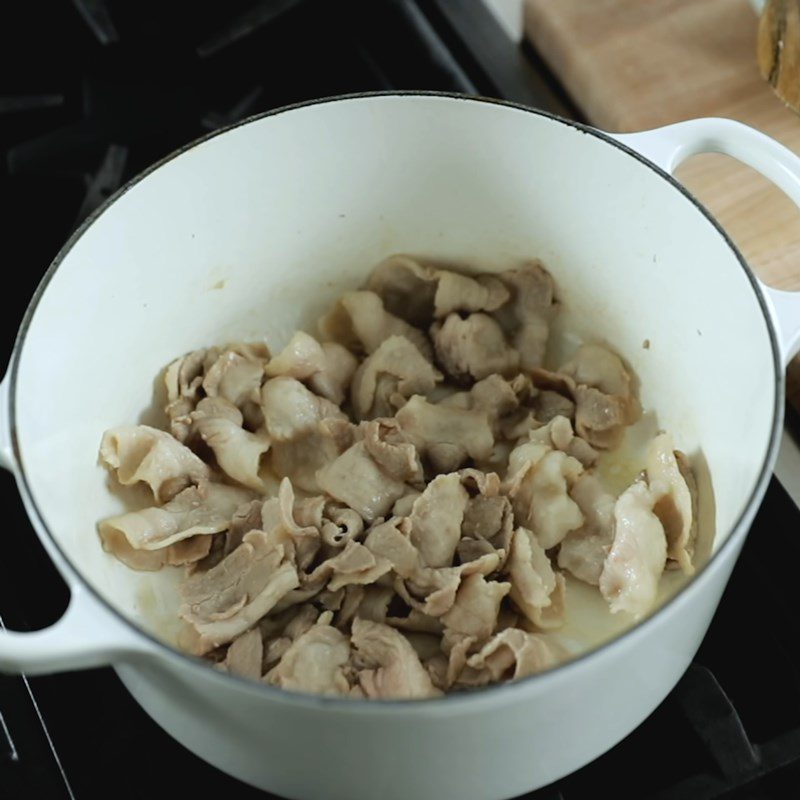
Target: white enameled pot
{"points": [[252, 231]]}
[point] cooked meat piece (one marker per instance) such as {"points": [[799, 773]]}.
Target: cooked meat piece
{"points": [[301, 358], [539, 483], [499, 397], [527, 316], [306, 431], [530, 342], [406, 287], [236, 376], [391, 450], [283, 512], [600, 418], [331, 601], [308, 590], [487, 527], [197, 553], [508, 618], [309, 511], [557, 382], [436, 519], [396, 669], [281, 629], [462, 293], [532, 291], [486, 517], [533, 580], [631, 572], [402, 508], [314, 663], [340, 431], [514, 427], [280, 520], [391, 540], [433, 591], [291, 411], [417, 293], [355, 564], [333, 380], [481, 482], [488, 513], [340, 525], [359, 322], [183, 379], [303, 621], [239, 453], [583, 551], [436, 667], [426, 645], [472, 549], [686, 470], [246, 518], [195, 511], [473, 348], [604, 397], [549, 617], [416, 622], [477, 603], [445, 456], [549, 404], [231, 597], [374, 604], [353, 596], [245, 655], [188, 552], [391, 374], [301, 459], [139, 453], [594, 365], [558, 435], [462, 434], [274, 652], [457, 646], [357, 481], [677, 505], [514, 654]]}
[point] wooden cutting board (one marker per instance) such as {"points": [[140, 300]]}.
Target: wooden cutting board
{"points": [[636, 64]]}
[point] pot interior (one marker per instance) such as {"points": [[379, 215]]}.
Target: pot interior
{"points": [[252, 233]]}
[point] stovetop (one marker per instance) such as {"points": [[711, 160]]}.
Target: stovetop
{"points": [[93, 91]]}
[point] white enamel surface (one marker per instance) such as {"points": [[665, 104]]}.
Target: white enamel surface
{"points": [[670, 146], [252, 233]]}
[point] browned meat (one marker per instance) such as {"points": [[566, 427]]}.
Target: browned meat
{"points": [[355, 522], [447, 436], [394, 669], [389, 376], [473, 348], [139, 453]]}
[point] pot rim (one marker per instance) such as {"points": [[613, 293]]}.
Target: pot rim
{"points": [[447, 702]]}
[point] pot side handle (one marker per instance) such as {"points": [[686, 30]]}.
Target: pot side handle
{"points": [[87, 635], [669, 146]]}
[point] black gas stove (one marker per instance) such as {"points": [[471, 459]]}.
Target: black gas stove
{"points": [[92, 92]]}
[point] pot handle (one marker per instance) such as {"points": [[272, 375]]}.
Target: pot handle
{"points": [[87, 635], [669, 146]]}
